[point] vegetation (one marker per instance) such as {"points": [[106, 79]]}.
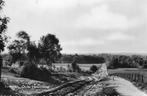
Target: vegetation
{"points": [[32, 57], [75, 67], [93, 68], [49, 48], [3, 26], [126, 61], [82, 59], [16, 50]]}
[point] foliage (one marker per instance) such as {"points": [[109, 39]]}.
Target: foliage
{"points": [[115, 60], [75, 67], [17, 50], [3, 26], [42, 74], [23, 35], [50, 48], [93, 68], [30, 71], [34, 54], [82, 59], [125, 61], [47, 49]]}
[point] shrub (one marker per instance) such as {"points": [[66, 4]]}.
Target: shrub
{"points": [[13, 70], [75, 67], [145, 66], [93, 68], [33, 72], [30, 71]]}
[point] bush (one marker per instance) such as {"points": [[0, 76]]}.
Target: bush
{"points": [[33, 72], [75, 67], [13, 70], [145, 66], [30, 71], [93, 68]]}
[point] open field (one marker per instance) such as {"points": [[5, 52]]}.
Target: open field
{"points": [[83, 66]]}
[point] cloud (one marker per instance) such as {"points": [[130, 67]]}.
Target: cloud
{"points": [[101, 18], [119, 36], [84, 42], [77, 23]]}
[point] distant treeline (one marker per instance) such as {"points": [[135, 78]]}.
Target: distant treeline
{"points": [[125, 61], [82, 59], [114, 60]]}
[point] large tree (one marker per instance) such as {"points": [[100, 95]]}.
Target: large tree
{"points": [[50, 48], [32, 49], [34, 53], [25, 37], [17, 50], [3, 27]]}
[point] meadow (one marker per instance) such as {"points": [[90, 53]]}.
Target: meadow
{"points": [[82, 66]]}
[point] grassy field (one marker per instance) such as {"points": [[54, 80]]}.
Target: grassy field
{"points": [[83, 66]]}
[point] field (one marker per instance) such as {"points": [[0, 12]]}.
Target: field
{"points": [[83, 66], [111, 71]]}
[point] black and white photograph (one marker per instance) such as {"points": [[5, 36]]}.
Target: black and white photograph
{"points": [[73, 47]]}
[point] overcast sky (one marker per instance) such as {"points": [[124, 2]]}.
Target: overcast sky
{"points": [[83, 26]]}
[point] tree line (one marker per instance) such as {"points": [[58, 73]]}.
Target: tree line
{"points": [[113, 60], [125, 61], [82, 59]]}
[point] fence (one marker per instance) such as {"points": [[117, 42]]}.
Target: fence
{"points": [[135, 77]]}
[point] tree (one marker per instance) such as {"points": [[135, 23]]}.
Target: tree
{"points": [[33, 52], [16, 50], [93, 68], [74, 65], [3, 27], [50, 48], [23, 35]]}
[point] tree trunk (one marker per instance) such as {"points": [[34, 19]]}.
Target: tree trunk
{"points": [[1, 64], [49, 63]]}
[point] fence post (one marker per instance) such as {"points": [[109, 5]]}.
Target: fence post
{"points": [[142, 79], [1, 63], [135, 77]]}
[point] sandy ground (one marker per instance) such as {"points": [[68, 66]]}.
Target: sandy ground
{"points": [[124, 87]]}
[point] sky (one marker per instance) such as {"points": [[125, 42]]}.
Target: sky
{"points": [[83, 26]]}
